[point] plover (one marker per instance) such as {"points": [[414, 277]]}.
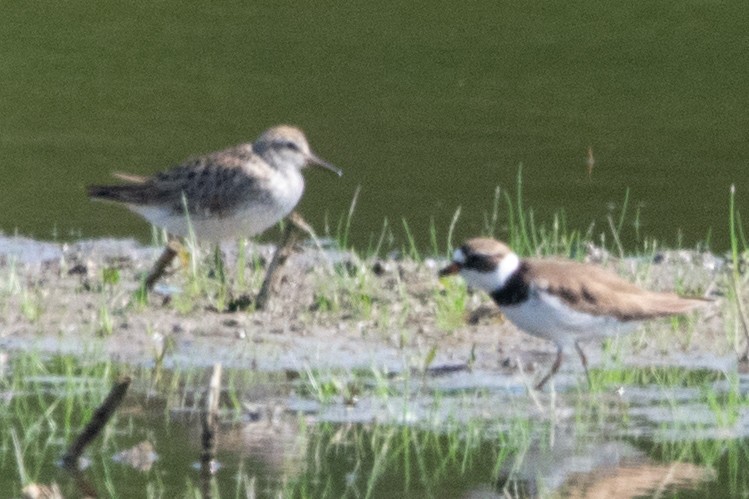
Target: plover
{"points": [[563, 301]]}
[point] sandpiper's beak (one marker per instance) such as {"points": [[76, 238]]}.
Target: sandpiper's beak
{"points": [[320, 162], [451, 269]]}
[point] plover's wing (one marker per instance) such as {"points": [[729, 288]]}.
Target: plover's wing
{"points": [[597, 291]]}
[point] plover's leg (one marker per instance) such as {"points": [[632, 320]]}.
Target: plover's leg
{"points": [[171, 250], [584, 361], [482, 312], [279, 258], [554, 368]]}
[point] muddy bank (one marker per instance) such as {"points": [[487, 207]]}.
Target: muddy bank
{"points": [[333, 310]]}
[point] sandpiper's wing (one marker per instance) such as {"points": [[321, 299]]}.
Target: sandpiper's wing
{"points": [[130, 177], [597, 291], [210, 184]]}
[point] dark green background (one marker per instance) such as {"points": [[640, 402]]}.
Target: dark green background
{"points": [[427, 105]]}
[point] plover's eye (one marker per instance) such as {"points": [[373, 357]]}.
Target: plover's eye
{"points": [[481, 263]]}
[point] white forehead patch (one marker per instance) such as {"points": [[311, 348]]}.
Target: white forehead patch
{"points": [[459, 256]]}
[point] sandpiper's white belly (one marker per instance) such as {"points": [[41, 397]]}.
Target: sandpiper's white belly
{"points": [[246, 219], [240, 223], [546, 316]]}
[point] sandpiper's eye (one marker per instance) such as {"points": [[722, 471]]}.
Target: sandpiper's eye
{"points": [[292, 146]]}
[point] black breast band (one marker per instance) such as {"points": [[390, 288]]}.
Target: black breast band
{"points": [[514, 291]]}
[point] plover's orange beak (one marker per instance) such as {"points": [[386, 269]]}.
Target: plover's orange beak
{"points": [[451, 269]]}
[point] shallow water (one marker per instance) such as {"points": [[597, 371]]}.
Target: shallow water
{"points": [[427, 106], [460, 434]]}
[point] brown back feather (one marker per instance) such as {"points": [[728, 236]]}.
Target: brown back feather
{"points": [[224, 169], [594, 290]]}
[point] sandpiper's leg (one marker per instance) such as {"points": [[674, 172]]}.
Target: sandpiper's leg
{"points": [[296, 219], [585, 362], [554, 368], [171, 250], [282, 253]]}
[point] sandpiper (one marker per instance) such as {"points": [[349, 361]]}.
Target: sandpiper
{"points": [[239, 191], [563, 301]]}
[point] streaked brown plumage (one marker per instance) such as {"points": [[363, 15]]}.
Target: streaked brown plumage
{"points": [[241, 190], [237, 192]]}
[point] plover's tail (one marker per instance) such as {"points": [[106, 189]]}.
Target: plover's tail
{"points": [[665, 304]]}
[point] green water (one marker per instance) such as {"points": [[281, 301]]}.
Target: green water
{"points": [[332, 450], [426, 105]]}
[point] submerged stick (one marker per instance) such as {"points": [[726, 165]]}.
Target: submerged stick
{"points": [[209, 420], [743, 318], [100, 418]]}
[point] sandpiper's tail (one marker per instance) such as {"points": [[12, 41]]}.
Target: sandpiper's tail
{"points": [[133, 192], [118, 193]]}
